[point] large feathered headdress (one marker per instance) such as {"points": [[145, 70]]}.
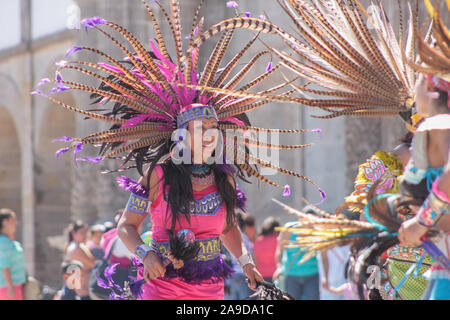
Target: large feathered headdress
{"points": [[155, 93], [351, 59], [321, 231], [436, 57]]}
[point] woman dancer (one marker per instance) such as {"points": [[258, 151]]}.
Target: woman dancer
{"points": [[175, 118], [428, 173]]}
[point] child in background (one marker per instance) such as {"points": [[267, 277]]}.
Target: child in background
{"points": [[71, 270]]}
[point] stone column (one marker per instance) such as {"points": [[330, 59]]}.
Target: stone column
{"points": [[110, 197], [85, 176], [95, 196], [27, 147]]}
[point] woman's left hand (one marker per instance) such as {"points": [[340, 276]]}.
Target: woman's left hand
{"points": [[253, 276], [410, 233]]}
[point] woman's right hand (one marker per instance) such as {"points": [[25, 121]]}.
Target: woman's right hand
{"points": [[153, 267]]}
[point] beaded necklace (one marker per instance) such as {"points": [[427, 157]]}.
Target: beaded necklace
{"points": [[202, 175]]}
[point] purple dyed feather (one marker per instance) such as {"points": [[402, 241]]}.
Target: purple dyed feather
{"points": [[65, 139], [101, 283], [39, 92], [136, 286], [61, 63], [92, 22], [135, 261], [61, 151], [287, 191], [73, 50], [42, 82], [323, 196], [58, 89], [109, 271], [58, 76], [91, 159], [232, 4], [241, 199], [213, 270], [132, 186], [78, 148]]}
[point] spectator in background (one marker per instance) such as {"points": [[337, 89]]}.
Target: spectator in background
{"points": [[332, 272], [237, 284], [12, 259], [301, 280], [332, 265], [94, 243], [265, 247], [247, 225], [109, 225], [77, 250], [71, 271], [120, 253]]}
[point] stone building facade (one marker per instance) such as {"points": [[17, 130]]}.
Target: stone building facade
{"points": [[48, 193]]}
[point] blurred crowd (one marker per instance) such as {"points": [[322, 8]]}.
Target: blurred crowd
{"points": [[90, 249]]}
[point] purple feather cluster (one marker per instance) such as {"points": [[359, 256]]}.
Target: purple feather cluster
{"points": [[287, 191], [92, 22], [59, 87], [232, 4], [241, 199], [132, 289], [194, 271], [73, 50], [323, 196], [77, 148], [108, 283], [132, 186]]}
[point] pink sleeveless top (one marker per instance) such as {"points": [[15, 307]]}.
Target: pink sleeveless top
{"points": [[207, 222]]}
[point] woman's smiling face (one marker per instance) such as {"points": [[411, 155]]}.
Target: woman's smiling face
{"points": [[204, 135]]}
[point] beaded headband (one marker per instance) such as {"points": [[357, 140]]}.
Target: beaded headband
{"points": [[195, 111]]}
